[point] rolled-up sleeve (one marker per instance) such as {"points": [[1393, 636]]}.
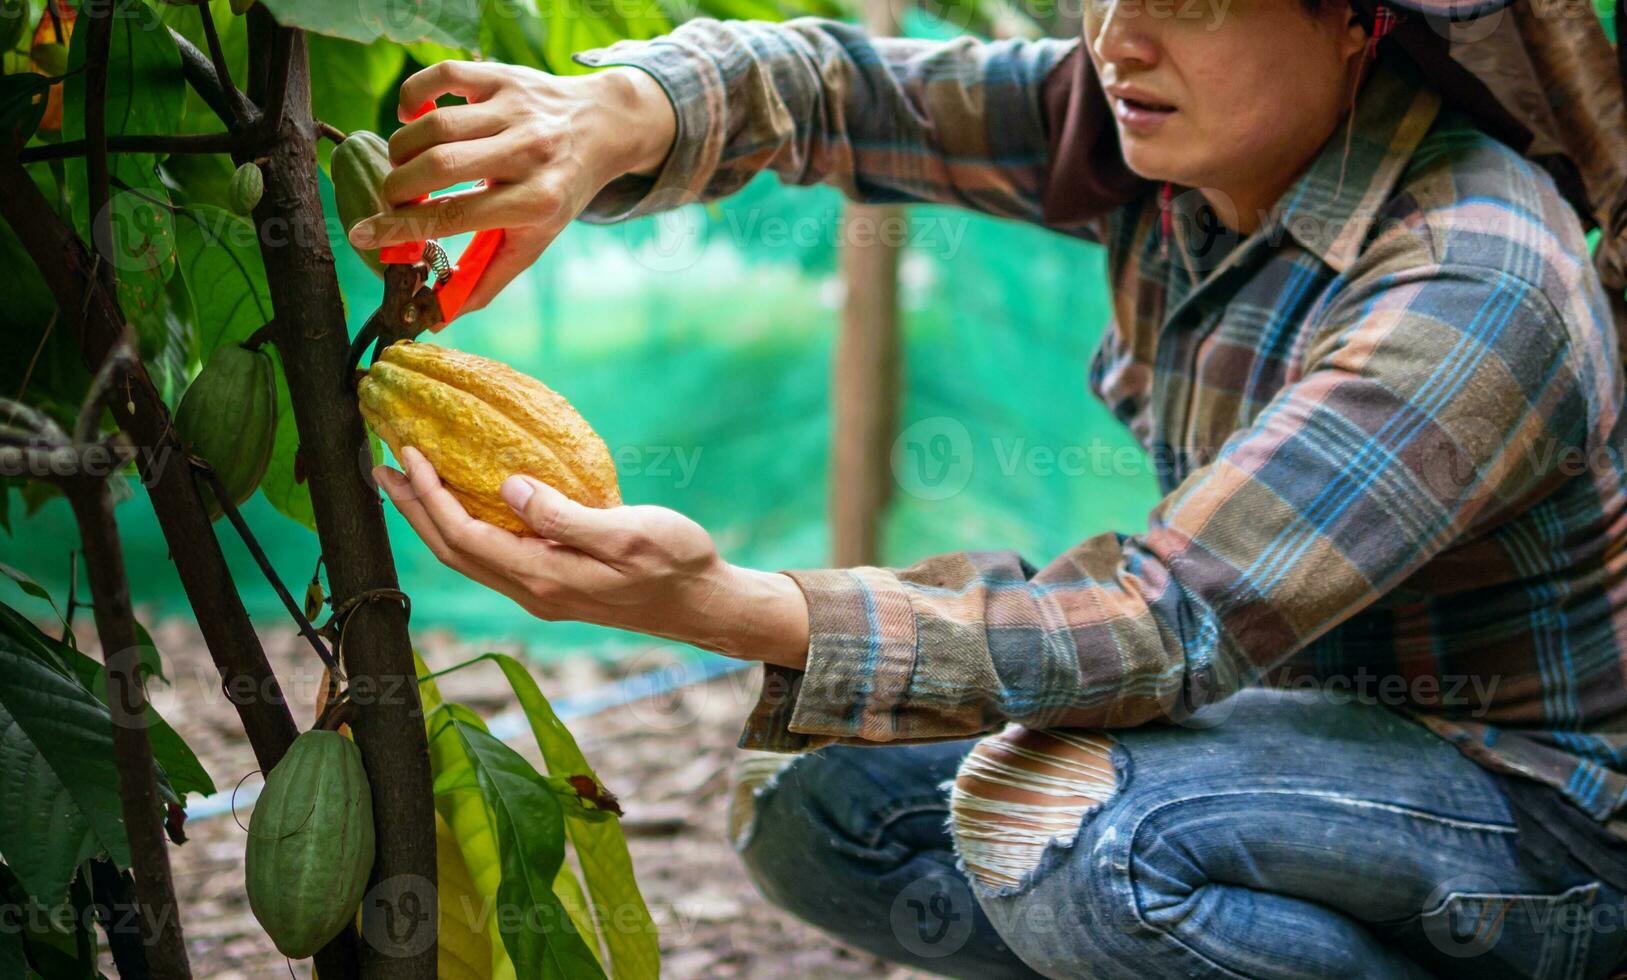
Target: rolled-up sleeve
{"points": [[1432, 401], [819, 101]]}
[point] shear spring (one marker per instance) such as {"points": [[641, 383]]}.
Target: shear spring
{"points": [[436, 256]]}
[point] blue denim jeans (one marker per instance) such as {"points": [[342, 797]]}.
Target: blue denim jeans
{"points": [[1300, 837]]}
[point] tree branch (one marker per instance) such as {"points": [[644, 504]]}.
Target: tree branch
{"points": [[282, 52], [312, 343], [139, 800], [184, 143], [253, 545], [73, 596], [262, 30], [220, 95], [217, 56]]}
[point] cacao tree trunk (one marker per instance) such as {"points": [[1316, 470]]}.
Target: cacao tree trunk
{"points": [[312, 341]]}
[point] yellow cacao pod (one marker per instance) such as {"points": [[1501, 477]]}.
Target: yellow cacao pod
{"points": [[479, 421]]}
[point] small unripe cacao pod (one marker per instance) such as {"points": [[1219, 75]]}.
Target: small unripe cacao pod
{"points": [[229, 417], [241, 7], [358, 167], [50, 58], [248, 184], [479, 422], [310, 847]]}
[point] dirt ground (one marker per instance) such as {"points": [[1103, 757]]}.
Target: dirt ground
{"points": [[667, 758]]}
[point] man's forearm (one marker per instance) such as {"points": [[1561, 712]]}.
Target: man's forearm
{"points": [[758, 615], [818, 101], [652, 123]]}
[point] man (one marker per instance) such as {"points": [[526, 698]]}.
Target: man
{"points": [[1351, 705]]}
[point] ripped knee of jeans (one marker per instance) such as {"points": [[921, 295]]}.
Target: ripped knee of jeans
{"points": [[1018, 791], [754, 773]]}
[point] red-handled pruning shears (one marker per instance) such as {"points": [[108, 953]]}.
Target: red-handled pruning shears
{"points": [[412, 304]]}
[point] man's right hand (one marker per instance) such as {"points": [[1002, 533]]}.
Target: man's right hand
{"points": [[543, 144]]}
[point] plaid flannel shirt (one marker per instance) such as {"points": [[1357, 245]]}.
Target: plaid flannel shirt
{"points": [[1386, 424]]}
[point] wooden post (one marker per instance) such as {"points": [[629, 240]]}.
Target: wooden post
{"points": [[865, 384]]}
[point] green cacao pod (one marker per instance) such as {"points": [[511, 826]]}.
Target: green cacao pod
{"points": [[310, 844], [480, 421], [50, 58], [248, 184], [229, 417], [359, 166], [13, 22], [241, 7]]}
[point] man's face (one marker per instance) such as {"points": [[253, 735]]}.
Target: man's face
{"points": [[1225, 94]]}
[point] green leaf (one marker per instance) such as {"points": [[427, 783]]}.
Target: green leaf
{"points": [[30, 587], [42, 349], [200, 178], [13, 958], [12, 961], [350, 81], [152, 662], [453, 22], [513, 33], [59, 789], [36, 494], [577, 25], [22, 104], [460, 804], [531, 841], [601, 848], [166, 332], [220, 261], [572, 29], [175, 759], [427, 53], [55, 937], [179, 770], [571, 896]]}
